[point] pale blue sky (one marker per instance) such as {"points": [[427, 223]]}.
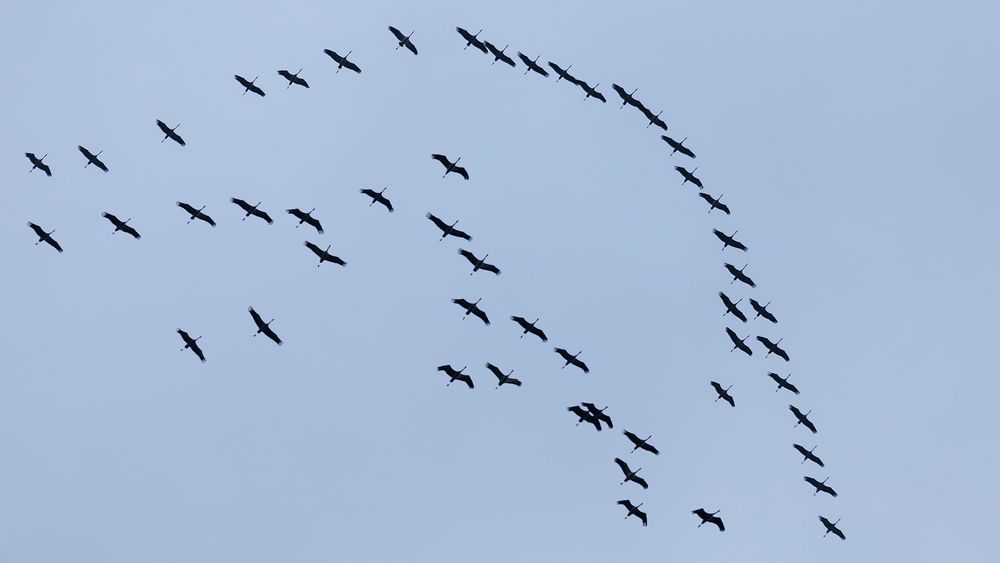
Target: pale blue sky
{"points": [[852, 140]]}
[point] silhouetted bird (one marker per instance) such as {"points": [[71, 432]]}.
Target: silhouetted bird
{"points": [[598, 413], [304, 217], [709, 517], [808, 454], [631, 475], [591, 91], [342, 61], [195, 213], [633, 510], [714, 203], [731, 308], [191, 343], [447, 229], [821, 486], [802, 419], [584, 416], [654, 119], [529, 327], [739, 275], [324, 255], [723, 393], [739, 342], [563, 73], [728, 240], [451, 166], [762, 310], [121, 225], [248, 85], [773, 348], [689, 176], [169, 133], [532, 65], [472, 308], [502, 378], [499, 54], [639, 443], [378, 197], [252, 210], [478, 263], [571, 359], [831, 527], [678, 146], [45, 237], [403, 40], [264, 327], [293, 78], [783, 383], [92, 158], [37, 163], [453, 375], [471, 39], [627, 98]]}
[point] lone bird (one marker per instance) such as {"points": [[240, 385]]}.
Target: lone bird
{"points": [[121, 225], [639, 443], [192, 343], [453, 375], [447, 229], [729, 241], [532, 65], [808, 454], [502, 378], [654, 119], [304, 217], [471, 39], [783, 382], [709, 517], [571, 359], [802, 419], [762, 310], [678, 146], [378, 197], [403, 40], [584, 416], [478, 263], [598, 413], [631, 475], [714, 203], [592, 91], [723, 393], [627, 98], [472, 308], [689, 176], [499, 54], [37, 163], [195, 213], [264, 327], [773, 348], [731, 308], [739, 275], [739, 342], [324, 255], [169, 133], [293, 78], [529, 327], [832, 527], [252, 210], [342, 61], [821, 486], [451, 166], [563, 73], [633, 510], [46, 237], [92, 158], [248, 85]]}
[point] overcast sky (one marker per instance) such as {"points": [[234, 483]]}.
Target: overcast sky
{"points": [[852, 141]]}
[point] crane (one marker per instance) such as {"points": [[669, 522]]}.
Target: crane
{"points": [[831, 527], [471, 39], [584, 416], [191, 343], [37, 163], [808, 454], [293, 78], [248, 85], [447, 229], [121, 225], [324, 255], [342, 61], [45, 237], [714, 203], [783, 382], [639, 443], [478, 263], [378, 197], [472, 308], [264, 327], [739, 275], [627, 98], [802, 419], [739, 342], [678, 146], [731, 308], [598, 413], [773, 348], [762, 310], [591, 91], [571, 359], [532, 65], [92, 158], [633, 510], [723, 393], [195, 213], [529, 327], [252, 210], [450, 166], [403, 40], [304, 217], [654, 119], [631, 475], [502, 378], [689, 176], [499, 54], [728, 240], [564, 73], [821, 486], [169, 133], [710, 518], [453, 375]]}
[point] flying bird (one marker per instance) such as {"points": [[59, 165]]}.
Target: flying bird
{"points": [[723, 393], [304, 217], [808, 454], [821, 486], [591, 91], [584, 416], [453, 375], [499, 54], [447, 229], [404, 40], [678, 146], [654, 119], [252, 210], [729, 241], [478, 263], [739, 342], [633, 510], [571, 359], [627, 98], [45, 237], [731, 308], [783, 383], [802, 419], [709, 517], [37, 163], [502, 378], [598, 413], [264, 327], [472, 308], [689, 176], [324, 255], [248, 85], [342, 61], [192, 343], [92, 158], [451, 166], [714, 203], [773, 348], [564, 73], [195, 213], [169, 133], [121, 225], [631, 475], [762, 310], [293, 78], [831, 527], [532, 65], [471, 39], [739, 275], [529, 327], [639, 443], [378, 197]]}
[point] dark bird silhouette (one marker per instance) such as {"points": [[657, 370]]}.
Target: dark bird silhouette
{"points": [[532, 65], [821, 486], [709, 517], [653, 119], [92, 158], [689, 176], [678, 146], [639, 443], [502, 378], [739, 342], [195, 213], [731, 308], [37, 163], [723, 393], [592, 91], [773, 348], [252, 210], [714, 203], [169, 133], [342, 61], [471, 39], [598, 413], [472, 308], [627, 98], [478, 263], [802, 419], [451, 166], [324, 255], [304, 217], [248, 85], [45, 237], [499, 54], [831, 527], [571, 359], [453, 375], [762, 310], [729, 241], [403, 40], [191, 343], [378, 197], [293, 78], [447, 229], [563, 73], [121, 225], [529, 327], [584, 416], [631, 475], [808, 454], [783, 383], [739, 275], [633, 510], [264, 327]]}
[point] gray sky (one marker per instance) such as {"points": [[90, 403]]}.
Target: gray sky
{"points": [[851, 140]]}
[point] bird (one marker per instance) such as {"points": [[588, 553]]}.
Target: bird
{"points": [[773, 348], [598, 413], [633, 510], [447, 229], [639, 443], [121, 225], [472, 308], [631, 475], [739, 275], [762, 310], [471, 39], [678, 146], [248, 85], [453, 375], [92, 158], [584, 416], [378, 197], [564, 73], [709, 517], [195, 213], [571, 359], [627, 98], [729, 241], [689, 176], [802, 419], [324, 255], [304, 217], [739, 342], [723, 393], [46, 237], [502, 378], [252, 210], [821, 486], [478, 263], [529, 327], [293, 78], [532, 65], [192, 343], [264, 327], [37, 163], [783, 383], [342, 61], [591, 91], [732, 307], [451, 166], [654, 119], [832, 527], [808, 454], [169, 133], [404, 40], [499, 54], [714, 203]]}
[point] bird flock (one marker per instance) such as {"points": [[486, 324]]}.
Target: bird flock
{"points": [[585, 412]]}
